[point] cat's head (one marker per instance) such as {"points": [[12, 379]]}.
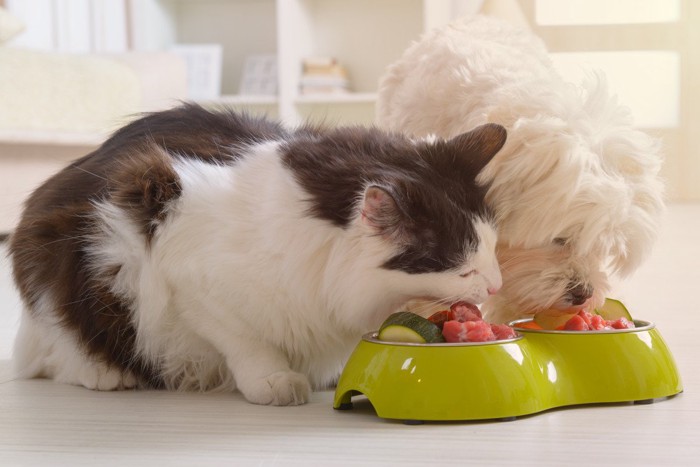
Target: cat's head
{"points": [[420, 227]]}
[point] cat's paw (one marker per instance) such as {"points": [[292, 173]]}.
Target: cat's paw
{"points": [[280, 388], [102, 378]]}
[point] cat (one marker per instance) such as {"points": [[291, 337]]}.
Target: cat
{"points": [[211, 250]]}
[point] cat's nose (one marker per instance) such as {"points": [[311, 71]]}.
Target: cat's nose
{"points": [[493, 290]]}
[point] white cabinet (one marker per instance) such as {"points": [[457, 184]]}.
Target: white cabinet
{"points": [[363, 35]]}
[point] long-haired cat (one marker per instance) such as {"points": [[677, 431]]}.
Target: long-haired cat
{"points": [[200, 250]]}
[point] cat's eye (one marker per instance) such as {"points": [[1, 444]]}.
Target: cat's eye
{"points": [[561, 241], [468, 273]]}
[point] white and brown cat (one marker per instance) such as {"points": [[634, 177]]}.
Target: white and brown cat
{"points": [[199, 250]]}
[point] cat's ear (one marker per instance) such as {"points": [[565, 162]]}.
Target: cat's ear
{"points": [[480, 144], [380, 211]]}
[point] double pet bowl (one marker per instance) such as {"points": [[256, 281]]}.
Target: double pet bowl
{"points": [[536, 371]]}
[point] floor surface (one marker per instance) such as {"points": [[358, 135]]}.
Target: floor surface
{"points": [[43, 423]]}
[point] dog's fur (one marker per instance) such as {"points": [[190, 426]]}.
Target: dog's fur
{"points": [[576, 188]]}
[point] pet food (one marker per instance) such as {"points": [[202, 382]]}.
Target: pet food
{"points": [[463, 323], [581, 321], [584, 321]]}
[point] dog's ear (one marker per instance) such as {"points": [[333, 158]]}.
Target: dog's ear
{"points": [[480, 144]]}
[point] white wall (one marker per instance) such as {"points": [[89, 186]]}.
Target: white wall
{"points": [[74, 26]]}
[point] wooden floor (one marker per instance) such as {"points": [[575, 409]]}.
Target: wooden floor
{"points": [[42, 423]]}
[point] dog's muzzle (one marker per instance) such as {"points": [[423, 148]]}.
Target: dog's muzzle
{"points": [[578, 293]]}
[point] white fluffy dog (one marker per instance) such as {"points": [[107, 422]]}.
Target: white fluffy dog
{"points": [[575, 189]]}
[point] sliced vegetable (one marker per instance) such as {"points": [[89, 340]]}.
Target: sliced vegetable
{"points": [[613, 309], [528, 325], [554, 318], [405, 326]]}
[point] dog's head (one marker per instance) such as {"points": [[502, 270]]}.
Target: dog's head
{"points": [[577, 199]]}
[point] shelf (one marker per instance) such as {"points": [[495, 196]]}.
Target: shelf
{"points": [[365, 36], [349, 98], [239, 99], [51, 137]]}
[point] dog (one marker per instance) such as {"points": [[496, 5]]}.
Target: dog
{"points": [[576, 188]]}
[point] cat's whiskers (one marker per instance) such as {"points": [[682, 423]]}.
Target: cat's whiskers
{"points": [[430, 305]]}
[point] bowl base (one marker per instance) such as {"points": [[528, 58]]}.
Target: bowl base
{"points": [[344, 406]]}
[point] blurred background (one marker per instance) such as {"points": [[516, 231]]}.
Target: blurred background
{"points": [[71, 71]]}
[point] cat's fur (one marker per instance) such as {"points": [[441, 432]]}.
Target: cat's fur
{"points": [[202, 250], [576, 189]]}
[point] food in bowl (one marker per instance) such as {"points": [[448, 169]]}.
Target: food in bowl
{"points": [[404, 326], [612, 315], [463, 322]]}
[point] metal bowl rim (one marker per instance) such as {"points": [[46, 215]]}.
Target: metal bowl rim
{"points": [[639, 326]]}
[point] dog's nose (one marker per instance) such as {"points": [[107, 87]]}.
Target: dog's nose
{"points": [[579, 293]]}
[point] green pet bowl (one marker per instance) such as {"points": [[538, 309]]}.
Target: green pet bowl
{"points": [[536, 371]]}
